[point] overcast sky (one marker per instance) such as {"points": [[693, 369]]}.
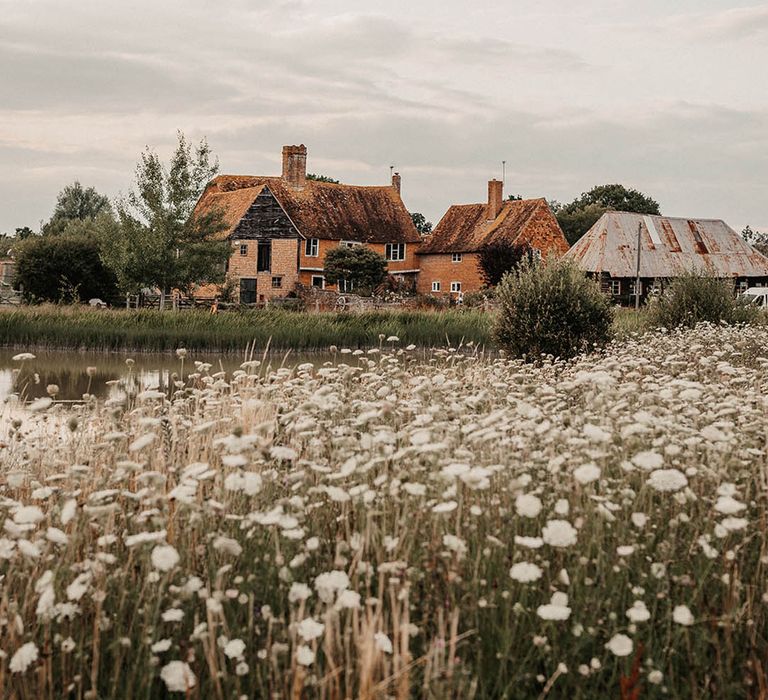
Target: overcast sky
{"points": [[667, 97]]}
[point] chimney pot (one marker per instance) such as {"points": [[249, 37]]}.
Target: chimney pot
{"points": [[495, 195], [295, 165], [396, 182]]}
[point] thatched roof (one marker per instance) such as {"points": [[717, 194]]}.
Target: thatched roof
{"points": [[319, 209], [465, 229]]}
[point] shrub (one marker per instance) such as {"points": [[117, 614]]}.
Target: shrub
{"points": [[695, 297], [359, 266], [551, 308], [65, 268]]}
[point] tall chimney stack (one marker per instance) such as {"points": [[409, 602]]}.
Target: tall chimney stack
{"points": [[396, 182], [495, 195], [295, 165]]}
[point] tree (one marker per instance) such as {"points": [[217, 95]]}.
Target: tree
{"points": [[497, 259], [76, 203], [583, 212], [514, 198], [321, 178], [158, 240], [423, 226], [359, 266], [66, 267], [757, 239]]}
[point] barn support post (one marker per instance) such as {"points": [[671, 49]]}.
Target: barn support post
{"points": [[637, 275]]}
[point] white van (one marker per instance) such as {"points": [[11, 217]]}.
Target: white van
{"points": [[757, 296]]}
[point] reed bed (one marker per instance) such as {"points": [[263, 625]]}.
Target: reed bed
{"points": [[389, 527], [77, 327]]}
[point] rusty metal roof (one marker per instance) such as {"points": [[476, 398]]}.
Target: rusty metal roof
{"points": [[668, 246]]}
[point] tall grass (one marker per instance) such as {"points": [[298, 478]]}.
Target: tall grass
{"points": [[358, 530], [149, 330]]}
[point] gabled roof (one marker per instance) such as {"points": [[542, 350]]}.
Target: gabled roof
{"points": [[233, 204], [320, 209], [465, 229], [668, 246]]}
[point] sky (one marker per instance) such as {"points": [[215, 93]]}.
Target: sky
{"points": [[667, 97]]}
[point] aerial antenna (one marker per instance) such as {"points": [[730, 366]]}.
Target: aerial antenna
{"points": [[503, 175], [391, 172]]}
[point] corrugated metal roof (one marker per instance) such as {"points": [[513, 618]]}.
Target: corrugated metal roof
{"points": [[668, 246]]}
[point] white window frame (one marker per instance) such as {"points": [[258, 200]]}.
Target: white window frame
{"points": [[312, 281], [345, 286], [350, 244], [436, 286], [312, 247], [279, 279], [243, 250], [536, 254], [391, 248], [615, 287], [456, 257], [455, 287]]}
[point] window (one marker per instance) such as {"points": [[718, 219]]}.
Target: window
{"points": [[395, 251], [455, 286], [742, 286], [264, 260], [615, 287], [247, 291], [536, 254], [243, 249], [633, 287], [435, 286], [312, 247], [346, 286], [318, 281], [350, 244], [277, 282], [456, 257]]}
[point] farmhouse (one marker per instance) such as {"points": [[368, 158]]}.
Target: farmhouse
{"points": [[668, 246], [449, 257], [282, 227]]}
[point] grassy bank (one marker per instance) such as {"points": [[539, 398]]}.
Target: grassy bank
{"points": [[154, 331]]}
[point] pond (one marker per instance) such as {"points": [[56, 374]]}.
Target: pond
{"points": [[78, 373]]}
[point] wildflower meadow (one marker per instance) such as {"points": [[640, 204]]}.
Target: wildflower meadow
{"points": [[391, 526]]}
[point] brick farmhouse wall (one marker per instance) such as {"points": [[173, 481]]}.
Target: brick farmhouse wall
{"points": [[440, 268], [283, 264], [312, 266]]}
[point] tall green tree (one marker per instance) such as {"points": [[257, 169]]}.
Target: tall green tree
{"points": [[76, 203], [321, 178], [757, 239], [364, 268], [159, 241], [420, 222], [577, 217]]}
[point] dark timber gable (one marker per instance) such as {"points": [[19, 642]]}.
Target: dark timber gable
{"points": [[265, 220]]}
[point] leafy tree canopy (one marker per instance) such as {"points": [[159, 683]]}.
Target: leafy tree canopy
{"points": [[76, 203], [420, 222], [63, 268], [361, 266], [757, 239], [497, 259], [321, 178], [158, 240], [581, 214]]}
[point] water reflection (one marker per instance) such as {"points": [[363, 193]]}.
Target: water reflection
{"points": [[76, 373]]}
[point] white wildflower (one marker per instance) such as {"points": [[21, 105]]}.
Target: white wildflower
{"points": [[178, 677], [559, 533], [620, 645], [527, 505], [525, 572], [164, 557], [24, 657], [682, 615], [667, 480]]}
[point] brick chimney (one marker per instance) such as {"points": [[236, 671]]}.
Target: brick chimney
{"points": [[396, 182], [495, 195], [295, 165]]}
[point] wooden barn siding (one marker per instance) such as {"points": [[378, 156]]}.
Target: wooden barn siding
{"points": [[264, 220]]}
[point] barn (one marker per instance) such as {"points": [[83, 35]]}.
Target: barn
{"points": [[668, 246]]}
